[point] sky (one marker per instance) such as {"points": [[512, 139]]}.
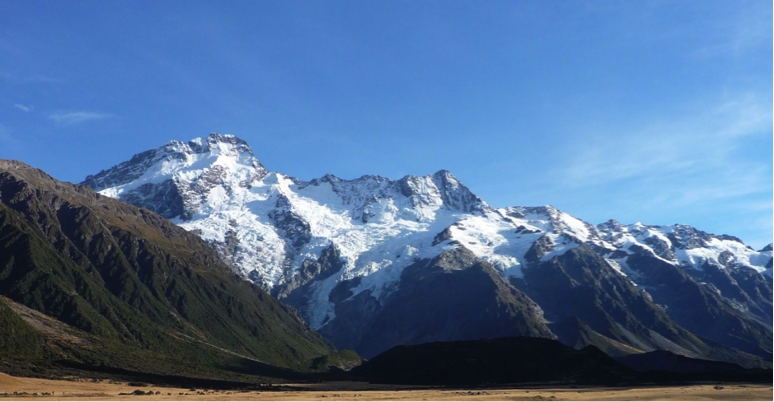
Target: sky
{"points": [[651, 111]]}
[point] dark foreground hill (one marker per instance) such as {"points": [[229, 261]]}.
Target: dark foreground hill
{"points": [[90, 281], [495, 361], [663, 367], [662, 360], [537, 360]]}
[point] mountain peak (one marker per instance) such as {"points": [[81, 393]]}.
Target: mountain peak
{"points": [[20, 171], [330, 178], [689, 237], [14, 165], [545, 210], [611, 224], [455, 194], [445, 174], [160, 164], [214, 145], [222, 144]]}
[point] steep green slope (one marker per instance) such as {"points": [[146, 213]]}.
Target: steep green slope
{"points": [[135, 280]]}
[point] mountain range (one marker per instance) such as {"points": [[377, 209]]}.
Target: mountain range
{"points": [[374, 262]]}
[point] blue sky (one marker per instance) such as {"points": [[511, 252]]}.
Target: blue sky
{"points": [[652, 111]]}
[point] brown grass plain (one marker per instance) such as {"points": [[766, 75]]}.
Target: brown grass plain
{"points": [[20, 388]]}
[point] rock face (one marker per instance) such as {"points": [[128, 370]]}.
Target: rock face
{"points": [[363, 259], [123, 281]]}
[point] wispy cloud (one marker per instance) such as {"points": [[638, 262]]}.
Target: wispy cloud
{"points": [[680, 149], [70, 118], [20, 79], [23, 108], [748, 27]]}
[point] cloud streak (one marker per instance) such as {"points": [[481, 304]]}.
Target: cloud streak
{"points": [[23, 108], [69, 118], [28, 79]]}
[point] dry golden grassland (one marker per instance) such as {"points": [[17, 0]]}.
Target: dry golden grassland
{"points": [[19, 388]]}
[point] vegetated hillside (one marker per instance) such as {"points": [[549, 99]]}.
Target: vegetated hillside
{"points": [[495, 361], [131, 289]]}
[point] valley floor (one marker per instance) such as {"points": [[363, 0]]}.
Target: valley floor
{"points": [[20, 388]]}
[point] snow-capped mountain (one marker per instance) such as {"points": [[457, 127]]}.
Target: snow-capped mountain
{"points": [[352, 255]]}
